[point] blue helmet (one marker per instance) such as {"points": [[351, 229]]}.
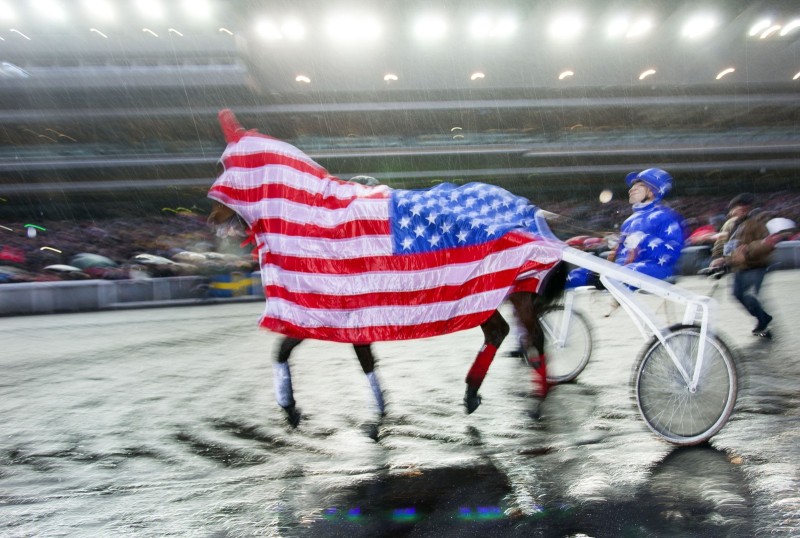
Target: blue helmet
{"points": [[659, 181]]}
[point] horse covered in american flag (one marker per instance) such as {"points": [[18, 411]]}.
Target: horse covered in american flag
{"points": [[345, 262]]}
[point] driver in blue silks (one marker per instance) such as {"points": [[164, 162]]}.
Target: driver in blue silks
{"points": [[651, 239]]}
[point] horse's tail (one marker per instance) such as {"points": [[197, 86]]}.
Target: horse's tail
{"points": [[552, 286]]}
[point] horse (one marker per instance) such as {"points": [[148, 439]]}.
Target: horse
{"points": [[277, 192]]}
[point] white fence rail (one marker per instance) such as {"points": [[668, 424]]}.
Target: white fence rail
{"points": [[86, 295]]}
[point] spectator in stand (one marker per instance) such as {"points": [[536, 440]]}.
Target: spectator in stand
{"points": [[746, 244], [707, 234]]}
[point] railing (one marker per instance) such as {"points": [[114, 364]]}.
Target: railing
{"points": [[88, 295], [581, 138]]}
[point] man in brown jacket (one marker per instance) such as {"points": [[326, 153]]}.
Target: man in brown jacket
{"points": [[747, 248]]}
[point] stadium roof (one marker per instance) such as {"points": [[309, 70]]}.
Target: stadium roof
{"points": [[552, 96]]}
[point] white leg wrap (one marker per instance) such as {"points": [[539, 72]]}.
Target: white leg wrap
{"points": [[283, 384], [375, 385]]}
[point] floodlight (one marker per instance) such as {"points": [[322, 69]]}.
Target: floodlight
{"points": [[99, 9], [151, 9], [647, 73], [789, 27], [617, 27], [796, 76], [293, 29], [98, 32], [477, 76], [769, 31], [505, 27], [197, 9], [371, 28], [480, 26], [390, 77], [699, 26], [7, 13], [484, 26], [353, 28], [566, 26], [759, 27], [268, 30], [724, 72], [430, 27], [50, 9], [639, 28], [565, 74], [302, 78]]}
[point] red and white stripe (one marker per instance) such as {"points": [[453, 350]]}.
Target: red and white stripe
{"points": [[327, 262]]}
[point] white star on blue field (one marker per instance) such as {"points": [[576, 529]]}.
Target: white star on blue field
{"points": [[448, 216]]}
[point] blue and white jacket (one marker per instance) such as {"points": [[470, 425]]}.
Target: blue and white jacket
{"points": [[651, 240]]}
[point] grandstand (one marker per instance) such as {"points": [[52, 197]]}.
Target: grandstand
{"points": [[110, 106]]}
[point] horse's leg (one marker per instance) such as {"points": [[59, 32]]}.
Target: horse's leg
{"points": [[367, 361], [525, 309], [494, 330], [282, 377]]}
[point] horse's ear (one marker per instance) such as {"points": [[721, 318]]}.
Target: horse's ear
{"points": [[231, 128]]}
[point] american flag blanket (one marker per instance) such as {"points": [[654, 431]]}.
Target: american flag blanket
{"points": [[348, 263]]}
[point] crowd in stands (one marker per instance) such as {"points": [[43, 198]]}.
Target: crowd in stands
{"points": [[174, 244], [181, 243]]}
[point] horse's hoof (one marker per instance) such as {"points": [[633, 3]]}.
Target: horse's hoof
{"points": [[472, 404], [371, 430], [292, 416], [518, 353], [535, 412], [471, 400]]}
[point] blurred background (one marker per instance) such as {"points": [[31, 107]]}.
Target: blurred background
{"points": [[159, 421], [108, 107]]}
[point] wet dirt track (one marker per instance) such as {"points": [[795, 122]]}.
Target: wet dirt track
{"points": [[162, 422]]}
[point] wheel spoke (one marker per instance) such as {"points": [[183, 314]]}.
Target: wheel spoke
{"points": [[668, 406], [567, 350]]}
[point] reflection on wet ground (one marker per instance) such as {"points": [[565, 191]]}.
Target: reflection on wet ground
{"points": [[693, 491], [157, 422]]}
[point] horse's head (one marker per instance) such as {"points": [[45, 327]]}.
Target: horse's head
{"points": [[220, 214], [223, 217]]}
